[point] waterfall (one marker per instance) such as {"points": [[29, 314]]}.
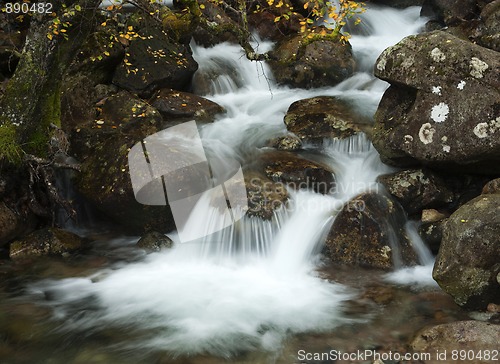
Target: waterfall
{"points": [[248, 286]]}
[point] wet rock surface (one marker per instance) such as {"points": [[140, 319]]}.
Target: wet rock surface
{"points": [[154, 241], [298, 172], [467, 264], [369, 231], [324, 117]]}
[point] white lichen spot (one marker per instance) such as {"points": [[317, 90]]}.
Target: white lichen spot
{"points": [[381, 64], [444, 139], [408, 139], [481, 130], [477, 67], [437, 55], [461, 85], [446, 148], [426, 133], [385, 251], [439, 112], [436, 90]]}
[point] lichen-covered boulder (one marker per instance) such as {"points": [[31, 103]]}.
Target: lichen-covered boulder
{"points": [[472, 338], [442, 107], [369, 231], [48, 241], [299, 62], [417, 189], [177, 105], [324, 117], [154, 241], [153, 61], [298, 172], [468, 261]]}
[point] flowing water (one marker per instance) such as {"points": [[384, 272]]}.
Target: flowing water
{"points": [[254, 286]]}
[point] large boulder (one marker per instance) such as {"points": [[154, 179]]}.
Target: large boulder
{"points": [[103, 148], [369, 231], [442, 108], [299, 62], [324, 117], [469, 340], [417, 189], [153, 61], [468, 261]]}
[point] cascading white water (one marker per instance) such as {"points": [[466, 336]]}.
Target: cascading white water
{"points": [[248, 286]]}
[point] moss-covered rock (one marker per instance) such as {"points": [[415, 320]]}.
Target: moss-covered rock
{"points": [[324, 117], [48, 241], [369, 231], [304, 63], [468, 261]]}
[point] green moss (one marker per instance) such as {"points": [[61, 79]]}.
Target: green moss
{"points": [[10, 150]]}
